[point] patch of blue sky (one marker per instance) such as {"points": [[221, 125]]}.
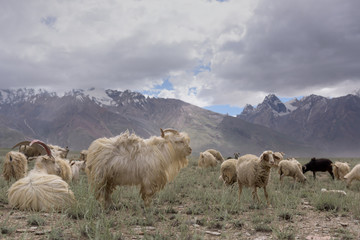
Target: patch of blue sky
{"points": [[225, 109], [192, 91], [284, 99], [201, 68], [166, 84]]}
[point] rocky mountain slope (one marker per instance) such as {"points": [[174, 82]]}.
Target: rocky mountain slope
{"points": [[329, 124], [80, 116]]}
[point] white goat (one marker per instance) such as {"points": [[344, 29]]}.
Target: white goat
{"points": [[15, 166], [41, 190], [254, 173], [130, 160]]}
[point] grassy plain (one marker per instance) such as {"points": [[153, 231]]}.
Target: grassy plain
{"points": [[196, 205]]}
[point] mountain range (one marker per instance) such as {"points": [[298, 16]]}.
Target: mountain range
{"points": [[312, 126], [330, 124]]}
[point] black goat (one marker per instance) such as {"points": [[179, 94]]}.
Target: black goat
{"points": [[318, 165]]}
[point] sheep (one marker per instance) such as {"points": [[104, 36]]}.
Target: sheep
{"points": [[206, 159], [228, 171], [354, 174], [15, 166], [216, 154], [340, 169], [41, 189], [76, 167], [292, 168], [29, 151], [320, 164], [254, 173], [130, 160]]}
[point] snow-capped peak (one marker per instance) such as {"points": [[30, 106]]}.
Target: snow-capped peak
{"points": [[13, 96]]}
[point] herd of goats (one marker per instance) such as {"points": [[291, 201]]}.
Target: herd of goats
{"points": [[149, 163]]}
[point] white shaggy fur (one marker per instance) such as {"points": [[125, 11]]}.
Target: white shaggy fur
{"points": [[228, 171], [58, 151], [76, 167], [206, 159], [41, 190], [340, 169], [354, 174], [254, 172], [15, 166], [130, 160], [292, 168], [216, 154]]}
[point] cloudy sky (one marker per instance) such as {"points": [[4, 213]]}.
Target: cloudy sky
{"points": [[215, 54]]}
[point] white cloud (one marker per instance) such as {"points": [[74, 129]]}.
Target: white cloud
{"points": [[249, 48]]}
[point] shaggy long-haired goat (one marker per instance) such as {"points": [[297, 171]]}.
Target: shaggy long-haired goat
{"points": [[15, 166], [41, 190], [29, 151], [130, 160]]}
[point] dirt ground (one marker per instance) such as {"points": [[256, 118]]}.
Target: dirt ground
{"points": [[310, 224]]}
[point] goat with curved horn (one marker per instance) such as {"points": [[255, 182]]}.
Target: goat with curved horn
{"points": [[168, 130], [29, 151], [47, 149]]}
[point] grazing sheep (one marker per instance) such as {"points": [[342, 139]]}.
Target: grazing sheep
{"points": [[292, 168], [319, 165], [354, 174], [41, 189], [340, 169], [130, 160], [228, 171], [76, 167], [206, 159], [216, 154], [254, 172], [15, 166]]}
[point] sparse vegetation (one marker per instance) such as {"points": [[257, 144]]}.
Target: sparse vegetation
{"points": [[194, 206]]}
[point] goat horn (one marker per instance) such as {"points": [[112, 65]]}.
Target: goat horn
{"points": [[21, 143], [171, 130], [48, 151], [162, 133]]}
